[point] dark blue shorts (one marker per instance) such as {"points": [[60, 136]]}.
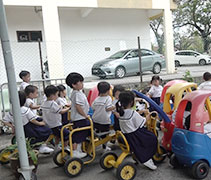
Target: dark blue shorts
{"points": [[57, 132]]}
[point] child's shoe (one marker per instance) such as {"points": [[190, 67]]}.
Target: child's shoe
{"points": [[106, 148], [45, 149], [150, 164], [78, 154]]}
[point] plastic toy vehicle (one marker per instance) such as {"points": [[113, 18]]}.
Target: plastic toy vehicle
{"points": [[192, 147], [174, 94]]}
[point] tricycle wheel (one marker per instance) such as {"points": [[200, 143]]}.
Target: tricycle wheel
{"points": [[159, 157], [126, 171], [200, 170], [105, 158], [58, 159], [174, 161], [73, 167]]}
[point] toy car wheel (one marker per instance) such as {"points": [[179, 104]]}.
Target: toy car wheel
{"points": [[105, 158], [126, 171], [174, 161], [73, 167], [200, 170], [159, 157], [58, 159]]}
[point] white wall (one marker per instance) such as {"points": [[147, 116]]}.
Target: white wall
{"points": [[85, 39]]}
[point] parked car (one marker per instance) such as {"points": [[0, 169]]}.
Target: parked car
{"points": [[127, 62], [191, 57]]}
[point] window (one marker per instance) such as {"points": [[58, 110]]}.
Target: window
{"points": [[133, 54], [29, 36], [145, 52]]}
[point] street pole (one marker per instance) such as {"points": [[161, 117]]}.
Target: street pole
{"points": [[25, 169], [139, 55]]}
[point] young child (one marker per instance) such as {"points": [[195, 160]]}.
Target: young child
{"points": [[207, 128], [52, 115], [62, 101], [116, 91], [33, 129], [79, 111], [25, 76], [102, 108], [207, 81], [143, 143], [31, 93]]}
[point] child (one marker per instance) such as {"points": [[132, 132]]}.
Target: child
{"points": [[31, 93], [155, 90], [207, 83], [79, 111], [143, 143], [207, 128], [102, 108], [33, 129], [116, 91], [62, 101], [52, 115], [25, 76]]}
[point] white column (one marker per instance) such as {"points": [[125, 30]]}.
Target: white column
{"points": [[168, 33], [53, 39]]}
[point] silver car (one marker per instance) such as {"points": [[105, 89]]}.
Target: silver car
{"points": [[126, 62]]}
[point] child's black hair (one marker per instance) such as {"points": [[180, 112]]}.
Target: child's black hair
{"points": [[30, 89], [50, 90], [22, 97], [119, 88], [125, 98], [23, 74], [155, 77], [74, 78], [206, 76], [103, 87], [61, 88]]}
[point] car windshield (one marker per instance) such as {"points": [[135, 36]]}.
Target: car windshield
{"points": [[119, 54]]}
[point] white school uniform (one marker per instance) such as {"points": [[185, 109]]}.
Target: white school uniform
{"points": [[78, 97], [51, 114], [61, 101], [99, 106], [26, 114], [185, 115], [131, 121], [23, 86], [28, 102], [156, 91], [207, 129], [205, 85]]}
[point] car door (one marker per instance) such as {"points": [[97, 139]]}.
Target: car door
{"points": [[181, 57], [191, 58], [131, 62], [147, 60]]}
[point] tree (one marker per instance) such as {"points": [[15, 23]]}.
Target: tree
{"points": [[156, 26], [195, 15]]}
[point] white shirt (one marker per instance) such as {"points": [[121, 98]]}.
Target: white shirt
{"points": [[78, 97], [28, 102], [51, 113], [99, 106], [131, 121], [26, 114], [23, 86], [155, 91], [61, 101], [207, 129], [185, 115], [205, 85]]}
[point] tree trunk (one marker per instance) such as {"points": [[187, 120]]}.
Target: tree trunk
{"points": [[206, 43]]}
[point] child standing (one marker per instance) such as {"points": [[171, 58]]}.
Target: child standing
{"points": [[62, 101], [32, 128], [142, 142], [103, 107], [25, 76], [52, 115], [79, 111], [31, 93]]}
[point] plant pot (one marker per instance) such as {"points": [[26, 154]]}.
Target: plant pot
{"points": [[15, 165]]}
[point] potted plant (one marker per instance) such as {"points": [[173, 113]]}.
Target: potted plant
{"points": [[10, 154]]}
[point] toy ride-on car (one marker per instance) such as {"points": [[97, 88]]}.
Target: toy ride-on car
{"points": [[174, 94], [191, 146]]}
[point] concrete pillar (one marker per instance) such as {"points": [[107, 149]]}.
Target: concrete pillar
{"points": [[53, 39], [168, 33]]}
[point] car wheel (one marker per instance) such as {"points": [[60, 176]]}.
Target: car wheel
{"points": [[156, 68], [177, 63], [202, 62], [120, 72]]}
